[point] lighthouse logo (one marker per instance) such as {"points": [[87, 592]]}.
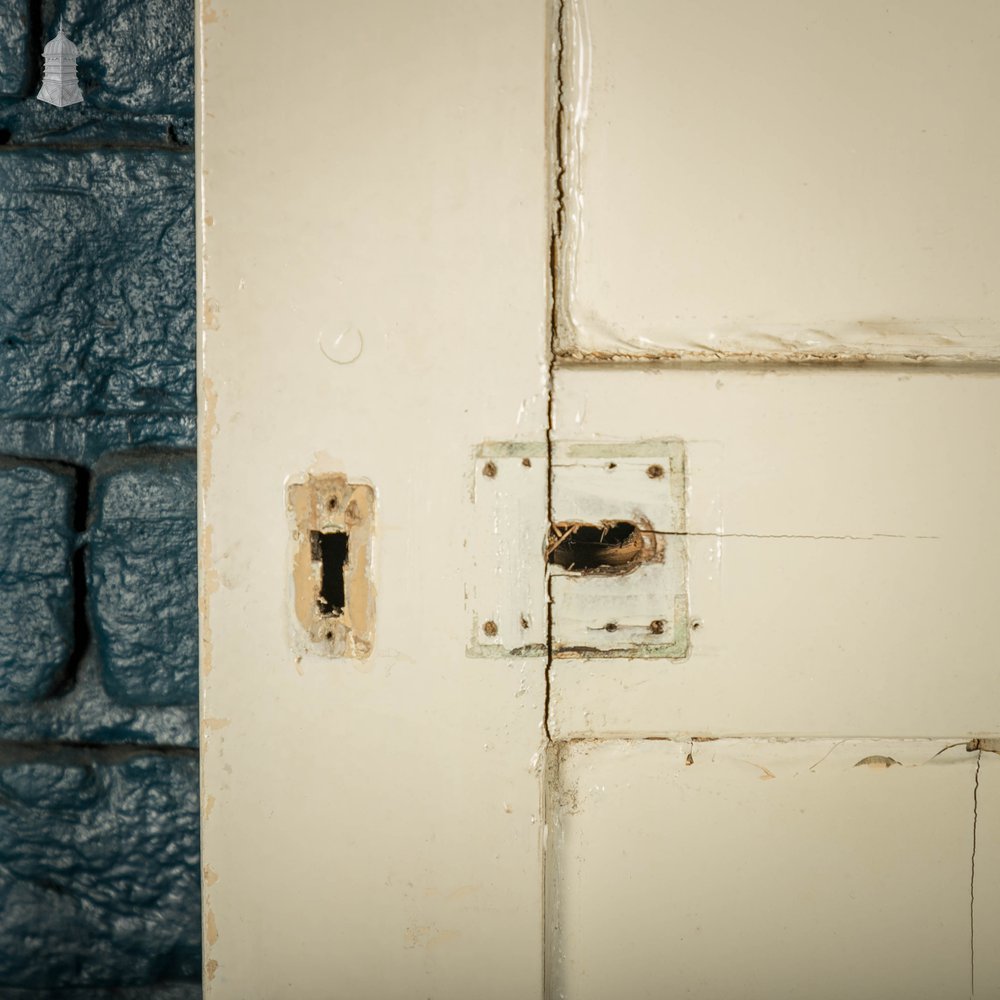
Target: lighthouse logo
{"points": [[59, 84]]}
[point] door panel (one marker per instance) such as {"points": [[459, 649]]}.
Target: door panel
{"points": [[788, 179], [841, 553], [757, 869]]}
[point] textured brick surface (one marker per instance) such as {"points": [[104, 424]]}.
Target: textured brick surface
{"points": [[13, 46], [135, 55], [97, 267], [158, 991], [86, 713], [81, 126], [143, 577], [82, 440], [99, 894], [36, 592], [98, 872]]}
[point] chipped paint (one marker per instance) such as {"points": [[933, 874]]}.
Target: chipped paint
{"points": [[877, 762], [211, 931], [860, 344], [208, 574], [673, 358], [210, 314]]}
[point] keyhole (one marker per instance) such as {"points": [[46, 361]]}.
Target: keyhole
{"points": [[612, 547], [329, 549]]}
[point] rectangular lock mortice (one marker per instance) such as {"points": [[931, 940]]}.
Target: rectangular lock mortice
{"points": [[333, 596]]}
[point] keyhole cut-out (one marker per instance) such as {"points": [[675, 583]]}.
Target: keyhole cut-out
{"points": [[611, 547], [329, 549]]}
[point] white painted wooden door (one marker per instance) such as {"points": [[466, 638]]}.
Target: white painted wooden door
{"points": [[600, 438]]}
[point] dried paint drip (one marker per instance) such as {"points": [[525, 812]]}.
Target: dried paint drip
{"points": [[342, 348]]}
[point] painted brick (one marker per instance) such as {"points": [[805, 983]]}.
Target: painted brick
{"points": [[30, 122], [135, 55], [98, 872], [36, 590], [85, 713], [82, 440], [157, 991], [143, 577], [97, 266], [13, 46]]}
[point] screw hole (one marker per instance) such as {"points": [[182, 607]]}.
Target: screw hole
{"points": [[611, 627], [526, 462], [612, 465], [489, 470], [656, 627], [332, 503], [490, 628], [655, 472]]}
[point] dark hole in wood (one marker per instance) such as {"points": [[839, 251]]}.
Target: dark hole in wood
{"points": [[610, 547], [329, 549]]}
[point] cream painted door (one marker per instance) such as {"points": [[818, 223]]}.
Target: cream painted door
{"points": [[599, 452], [374, 251], [779, 247]]}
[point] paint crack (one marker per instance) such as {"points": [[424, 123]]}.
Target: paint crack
{"points": [[972, 877]]}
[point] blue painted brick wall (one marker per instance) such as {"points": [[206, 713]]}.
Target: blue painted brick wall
{"points": [[36, 587], [99, 870], [98, 622], [97, 308], [143, 578], [13, 46]]}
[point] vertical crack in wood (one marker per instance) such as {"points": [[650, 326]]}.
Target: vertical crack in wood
{"points": [[555, 110], [972, 877], [557, 169]]}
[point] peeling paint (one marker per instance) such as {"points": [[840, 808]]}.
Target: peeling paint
{"points": [[210, 314], [211, 931], [800, 357], [207, 572]]}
